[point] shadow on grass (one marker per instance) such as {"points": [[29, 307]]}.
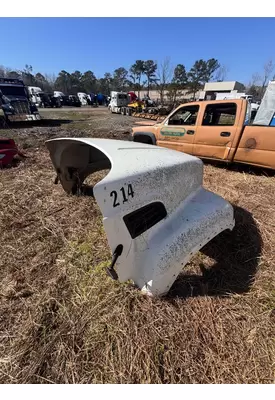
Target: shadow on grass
{"points": [[42, 122], [248, 169], [236, 255]]}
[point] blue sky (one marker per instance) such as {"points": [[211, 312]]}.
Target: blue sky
{"points": [[104, 44]]}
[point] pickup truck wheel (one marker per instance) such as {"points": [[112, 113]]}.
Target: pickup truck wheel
{"points": [[143, 139]]}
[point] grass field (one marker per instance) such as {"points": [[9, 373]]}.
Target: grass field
{"points": [[63, 320]]}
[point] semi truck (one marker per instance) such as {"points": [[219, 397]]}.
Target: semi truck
{"points": [[34, 95], [129, 104], [83, 98], [119, 103], [216, 130], [15, 101], [126, 103]]}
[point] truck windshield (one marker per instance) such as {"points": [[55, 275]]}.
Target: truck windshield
{"points": [[13, 90]]}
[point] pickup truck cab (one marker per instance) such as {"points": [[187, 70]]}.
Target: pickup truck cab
{"points": [[214, 130]]}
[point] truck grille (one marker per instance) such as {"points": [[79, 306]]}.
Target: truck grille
{"points": [[21, 107]]}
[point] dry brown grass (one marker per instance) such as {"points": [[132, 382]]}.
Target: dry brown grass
{"points": [[64, 321]]}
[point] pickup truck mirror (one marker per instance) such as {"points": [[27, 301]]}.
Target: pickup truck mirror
{"points": [[156, 213]]}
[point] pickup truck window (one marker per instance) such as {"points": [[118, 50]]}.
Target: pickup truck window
{"points": [[186, 115], [220, 114]]}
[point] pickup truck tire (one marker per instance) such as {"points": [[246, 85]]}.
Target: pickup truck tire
{"points": [[2, 121], [145, 137]]}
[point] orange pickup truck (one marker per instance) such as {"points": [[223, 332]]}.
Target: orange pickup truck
{"points": [[213, 130]]}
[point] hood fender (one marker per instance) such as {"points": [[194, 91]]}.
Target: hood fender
{"points": [[156, 213]]}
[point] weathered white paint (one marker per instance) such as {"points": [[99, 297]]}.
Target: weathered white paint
{"points": [[194, 215]]}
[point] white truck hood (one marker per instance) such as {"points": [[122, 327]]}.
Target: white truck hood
{"points": [[156, 213]]}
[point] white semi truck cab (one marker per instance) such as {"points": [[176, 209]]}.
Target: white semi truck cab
{"points": [[118, 100], [34, 95], [83, 98], [56, 93]]}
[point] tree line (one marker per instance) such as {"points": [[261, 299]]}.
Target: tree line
{"points": [[143, 74]]}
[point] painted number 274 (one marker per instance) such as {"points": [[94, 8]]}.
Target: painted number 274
{"points": [[122, 196]]}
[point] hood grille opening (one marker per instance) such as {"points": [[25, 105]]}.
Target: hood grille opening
{"points": [[139, 221]]}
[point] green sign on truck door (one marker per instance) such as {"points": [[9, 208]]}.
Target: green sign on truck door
{"points": [[172, 131]]}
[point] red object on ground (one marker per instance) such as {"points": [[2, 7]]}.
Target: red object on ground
{"points": [[8, 150]]}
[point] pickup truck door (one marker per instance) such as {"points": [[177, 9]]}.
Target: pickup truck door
{"points": [[219, 127], [179, 129]]}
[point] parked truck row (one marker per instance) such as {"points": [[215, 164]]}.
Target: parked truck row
{"points": [[59, 99], [19, 102]]}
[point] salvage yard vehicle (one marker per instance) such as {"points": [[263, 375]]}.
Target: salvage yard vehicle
{"points": [[125, 103], [74, 101], [216, 130], [56, 93], [128, 104], [34, 95], [156, 213], [15, 102], [119, 101], [49, 100], [70, 101], [83, 98]]}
